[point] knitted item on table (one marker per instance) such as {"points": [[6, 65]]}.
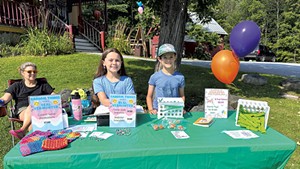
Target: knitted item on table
{"points": [[73, 136], [32, 143], [60, 133], [39, 141], [69, 134], [34, 136], [55, 144], [32, 147]]}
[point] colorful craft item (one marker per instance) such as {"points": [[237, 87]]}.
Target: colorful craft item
{"points": [[31, 147], [39, 141], [71, 136], [35, 136], [55, 144]]}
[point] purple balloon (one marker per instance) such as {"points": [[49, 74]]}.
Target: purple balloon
{"points": [[244, 38]]}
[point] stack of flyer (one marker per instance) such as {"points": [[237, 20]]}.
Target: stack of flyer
{"points": [[204, 122]]}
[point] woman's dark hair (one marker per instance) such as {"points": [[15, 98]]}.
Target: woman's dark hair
{"points": [[101, 70]]}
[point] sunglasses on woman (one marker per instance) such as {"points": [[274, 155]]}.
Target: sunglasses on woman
{"points": [[31, 71]]}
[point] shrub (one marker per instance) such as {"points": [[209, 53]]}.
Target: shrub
{"points": [[10, 39], [118, 38], [6, 50], [206, 41], [201, 53], [39, 42], [65, 44]]}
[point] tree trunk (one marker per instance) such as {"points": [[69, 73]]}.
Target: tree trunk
{"points": [[172, 26]]}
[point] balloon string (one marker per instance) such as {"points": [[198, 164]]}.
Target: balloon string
{"points": [[233, 84]]}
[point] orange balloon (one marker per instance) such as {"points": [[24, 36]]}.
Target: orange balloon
{"points": [[225, 66]]}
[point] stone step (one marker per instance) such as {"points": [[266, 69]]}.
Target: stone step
{"points": [[87, 51], [81, 40], [83, 44], [85, 48]]}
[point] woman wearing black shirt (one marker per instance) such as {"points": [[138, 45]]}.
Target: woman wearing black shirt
{"points": [[20, 91]]}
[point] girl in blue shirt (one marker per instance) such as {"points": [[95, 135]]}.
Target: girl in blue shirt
{"points": [[167, 82], [111, 77]]}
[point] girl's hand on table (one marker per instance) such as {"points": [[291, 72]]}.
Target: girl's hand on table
{"points": [[154, 111]]}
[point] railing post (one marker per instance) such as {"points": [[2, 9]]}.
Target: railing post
{"points": [[12, 6], [102, 39], [71, 35], [17, 14], [4, 11], [80, 24], [8, 13]]}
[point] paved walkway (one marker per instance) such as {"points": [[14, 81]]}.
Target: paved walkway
{"points": [[276, 68]]}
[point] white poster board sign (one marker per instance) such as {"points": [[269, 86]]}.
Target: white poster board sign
{"points": [[46, 112], [122, 112], [216, 103]]}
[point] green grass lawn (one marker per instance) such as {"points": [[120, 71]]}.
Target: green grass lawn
{"points": [[77, 70]]}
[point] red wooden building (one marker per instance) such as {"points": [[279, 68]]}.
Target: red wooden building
{"points": [[212, 27], [57, 16]]}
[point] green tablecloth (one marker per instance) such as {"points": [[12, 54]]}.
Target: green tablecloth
{"points": [[146, 148]]}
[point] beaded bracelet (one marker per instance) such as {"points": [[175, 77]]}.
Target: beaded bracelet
{"points": [[123, 132]]}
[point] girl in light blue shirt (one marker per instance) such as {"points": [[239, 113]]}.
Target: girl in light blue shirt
{"points": [[167, 82], [111, 77]]}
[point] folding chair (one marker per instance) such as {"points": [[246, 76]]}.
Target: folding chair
{"points": [[11, 116], [3, 111]]}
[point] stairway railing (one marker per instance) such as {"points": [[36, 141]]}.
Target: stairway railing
{"points": [[18, 14], [58, 26], [92, 34], [21, 14]]}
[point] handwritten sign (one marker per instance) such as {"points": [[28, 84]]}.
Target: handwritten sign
{"points": [[122, 110], [46, 112], [216, 103]]}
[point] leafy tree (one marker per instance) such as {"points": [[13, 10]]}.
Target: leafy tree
{"points": [[115, 9], [227, 14], [147, 21], [273, 18], [277, 19], [288, 44], [206, 41], [174, 17]]}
